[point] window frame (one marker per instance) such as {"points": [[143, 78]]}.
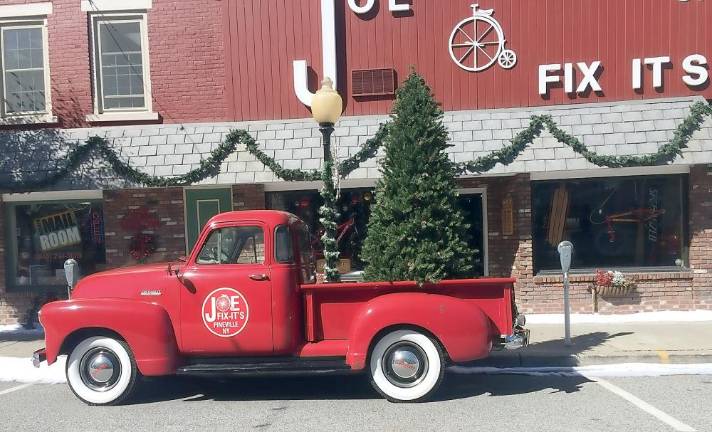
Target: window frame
{"points": [[119, 114], [24, 117]]}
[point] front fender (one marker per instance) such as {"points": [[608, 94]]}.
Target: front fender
{"points": [[462, 327], [146, 327]]}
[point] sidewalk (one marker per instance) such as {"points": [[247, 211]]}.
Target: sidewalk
{"points": [[609, 343], [593, 343]]}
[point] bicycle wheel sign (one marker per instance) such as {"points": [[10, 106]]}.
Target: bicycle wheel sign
{"points": [[477, 42]]}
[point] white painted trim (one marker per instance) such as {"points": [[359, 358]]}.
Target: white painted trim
{"points": [[485, 224], [26, 10], [113, 5], [122, 116], [53, 196], [610, 172]]}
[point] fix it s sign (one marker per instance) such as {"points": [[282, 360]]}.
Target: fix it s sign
{"points": [[478, 42], [225, 312]]}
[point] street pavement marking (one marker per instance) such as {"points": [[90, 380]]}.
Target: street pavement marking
{"points": [[12, 389], [663, 417], [664, 356]]}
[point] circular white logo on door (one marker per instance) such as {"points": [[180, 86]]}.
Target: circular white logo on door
{"points": [[225, 312]]}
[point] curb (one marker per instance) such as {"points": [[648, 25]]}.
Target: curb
{"points": [[523, 359]]}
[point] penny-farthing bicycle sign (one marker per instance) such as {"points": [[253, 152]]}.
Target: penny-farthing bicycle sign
{"points": [[477, 42]]}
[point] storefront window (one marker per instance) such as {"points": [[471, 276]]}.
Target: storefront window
{"points": [[621, 222], [354, 208], [41, 236]]}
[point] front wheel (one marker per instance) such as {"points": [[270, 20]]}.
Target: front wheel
{"points": [[102, 371], [406, 366]]}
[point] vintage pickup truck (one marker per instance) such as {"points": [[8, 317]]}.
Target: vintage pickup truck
{"points": [[245, 302]]}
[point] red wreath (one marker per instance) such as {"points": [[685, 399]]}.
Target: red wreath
{"points": [[142, 244]]}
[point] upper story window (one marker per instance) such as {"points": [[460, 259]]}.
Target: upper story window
{"points": [[120, 59], [24, 62]]}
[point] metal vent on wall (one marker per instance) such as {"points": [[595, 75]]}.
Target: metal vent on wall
{"points": [[373, 82]]}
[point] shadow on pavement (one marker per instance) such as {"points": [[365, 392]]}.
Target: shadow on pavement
{"points": [[454, 386], [580, 344], [349, 387]]}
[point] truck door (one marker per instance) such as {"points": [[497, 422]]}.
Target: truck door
{"points": [[226, 303]]}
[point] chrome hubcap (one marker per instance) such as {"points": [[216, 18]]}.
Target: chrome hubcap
{"points": [[100, 369], [405, 364]]}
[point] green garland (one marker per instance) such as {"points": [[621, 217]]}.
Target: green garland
{"points": [[210, 166], [666, 154], [367, 151]]}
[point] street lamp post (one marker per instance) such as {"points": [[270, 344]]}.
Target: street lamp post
{"points": [[326, 110]]}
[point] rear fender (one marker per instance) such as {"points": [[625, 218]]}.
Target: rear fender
{"points": [[146, 327], [461, 327]]}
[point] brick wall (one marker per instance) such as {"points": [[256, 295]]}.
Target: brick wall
{"points": [[186, 56], [166, 204], [701, 235], [248, 197]]}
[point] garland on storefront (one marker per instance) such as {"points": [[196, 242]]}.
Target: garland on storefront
{"points": [[667, 153], [210, 166]]}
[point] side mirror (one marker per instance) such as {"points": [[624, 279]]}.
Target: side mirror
{"points": [[71, 273]]}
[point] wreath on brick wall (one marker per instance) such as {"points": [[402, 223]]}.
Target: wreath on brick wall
{"points": [[210, 166]]}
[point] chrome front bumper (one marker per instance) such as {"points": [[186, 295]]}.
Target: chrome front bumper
{"points": [[38, 357]]}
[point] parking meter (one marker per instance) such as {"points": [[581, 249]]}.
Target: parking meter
{"points": [[566, 250], [71, 272]]}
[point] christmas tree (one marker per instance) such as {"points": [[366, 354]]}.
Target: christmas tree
{"points": [[416, 230]]}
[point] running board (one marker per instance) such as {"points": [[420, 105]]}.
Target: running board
{"points": [[264, 366]]}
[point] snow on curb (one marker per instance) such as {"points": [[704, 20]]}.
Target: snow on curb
{"points": [[17, 329], [21, 370], [642, 317], [598, 371]]}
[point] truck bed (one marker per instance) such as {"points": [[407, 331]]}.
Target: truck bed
{"points": [[330, 307]]}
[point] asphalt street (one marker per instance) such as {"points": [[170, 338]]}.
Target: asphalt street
{"points": [[464, 403]]}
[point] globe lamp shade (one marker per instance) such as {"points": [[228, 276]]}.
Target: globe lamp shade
{"points": [[327, 104]]}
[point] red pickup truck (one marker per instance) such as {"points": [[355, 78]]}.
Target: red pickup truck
{"points": [[245, 302]]}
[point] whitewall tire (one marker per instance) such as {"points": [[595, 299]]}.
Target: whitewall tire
{"points": [[102, 371], [406, 366]]}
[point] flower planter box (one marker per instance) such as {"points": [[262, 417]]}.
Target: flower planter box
{"points": [[612, 291]]}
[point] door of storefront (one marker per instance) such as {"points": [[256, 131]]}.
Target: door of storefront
{"points": [[473, 203], [200, 205]]}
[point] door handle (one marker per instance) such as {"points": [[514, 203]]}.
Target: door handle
{"points": [[259, 277]]}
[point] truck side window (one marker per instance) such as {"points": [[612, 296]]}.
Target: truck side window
{"points": [[233, 245], [283, 251]]}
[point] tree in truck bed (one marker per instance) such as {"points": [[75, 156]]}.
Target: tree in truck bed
{"points": [[416, 230]]}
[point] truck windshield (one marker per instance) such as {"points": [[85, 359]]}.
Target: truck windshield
{"points": [[233, 245]]}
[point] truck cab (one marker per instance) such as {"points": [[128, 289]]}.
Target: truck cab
{"points": [[246, 301]]}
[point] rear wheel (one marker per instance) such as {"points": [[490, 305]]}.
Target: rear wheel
{"points": [[102, 371], [406, 366]]}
